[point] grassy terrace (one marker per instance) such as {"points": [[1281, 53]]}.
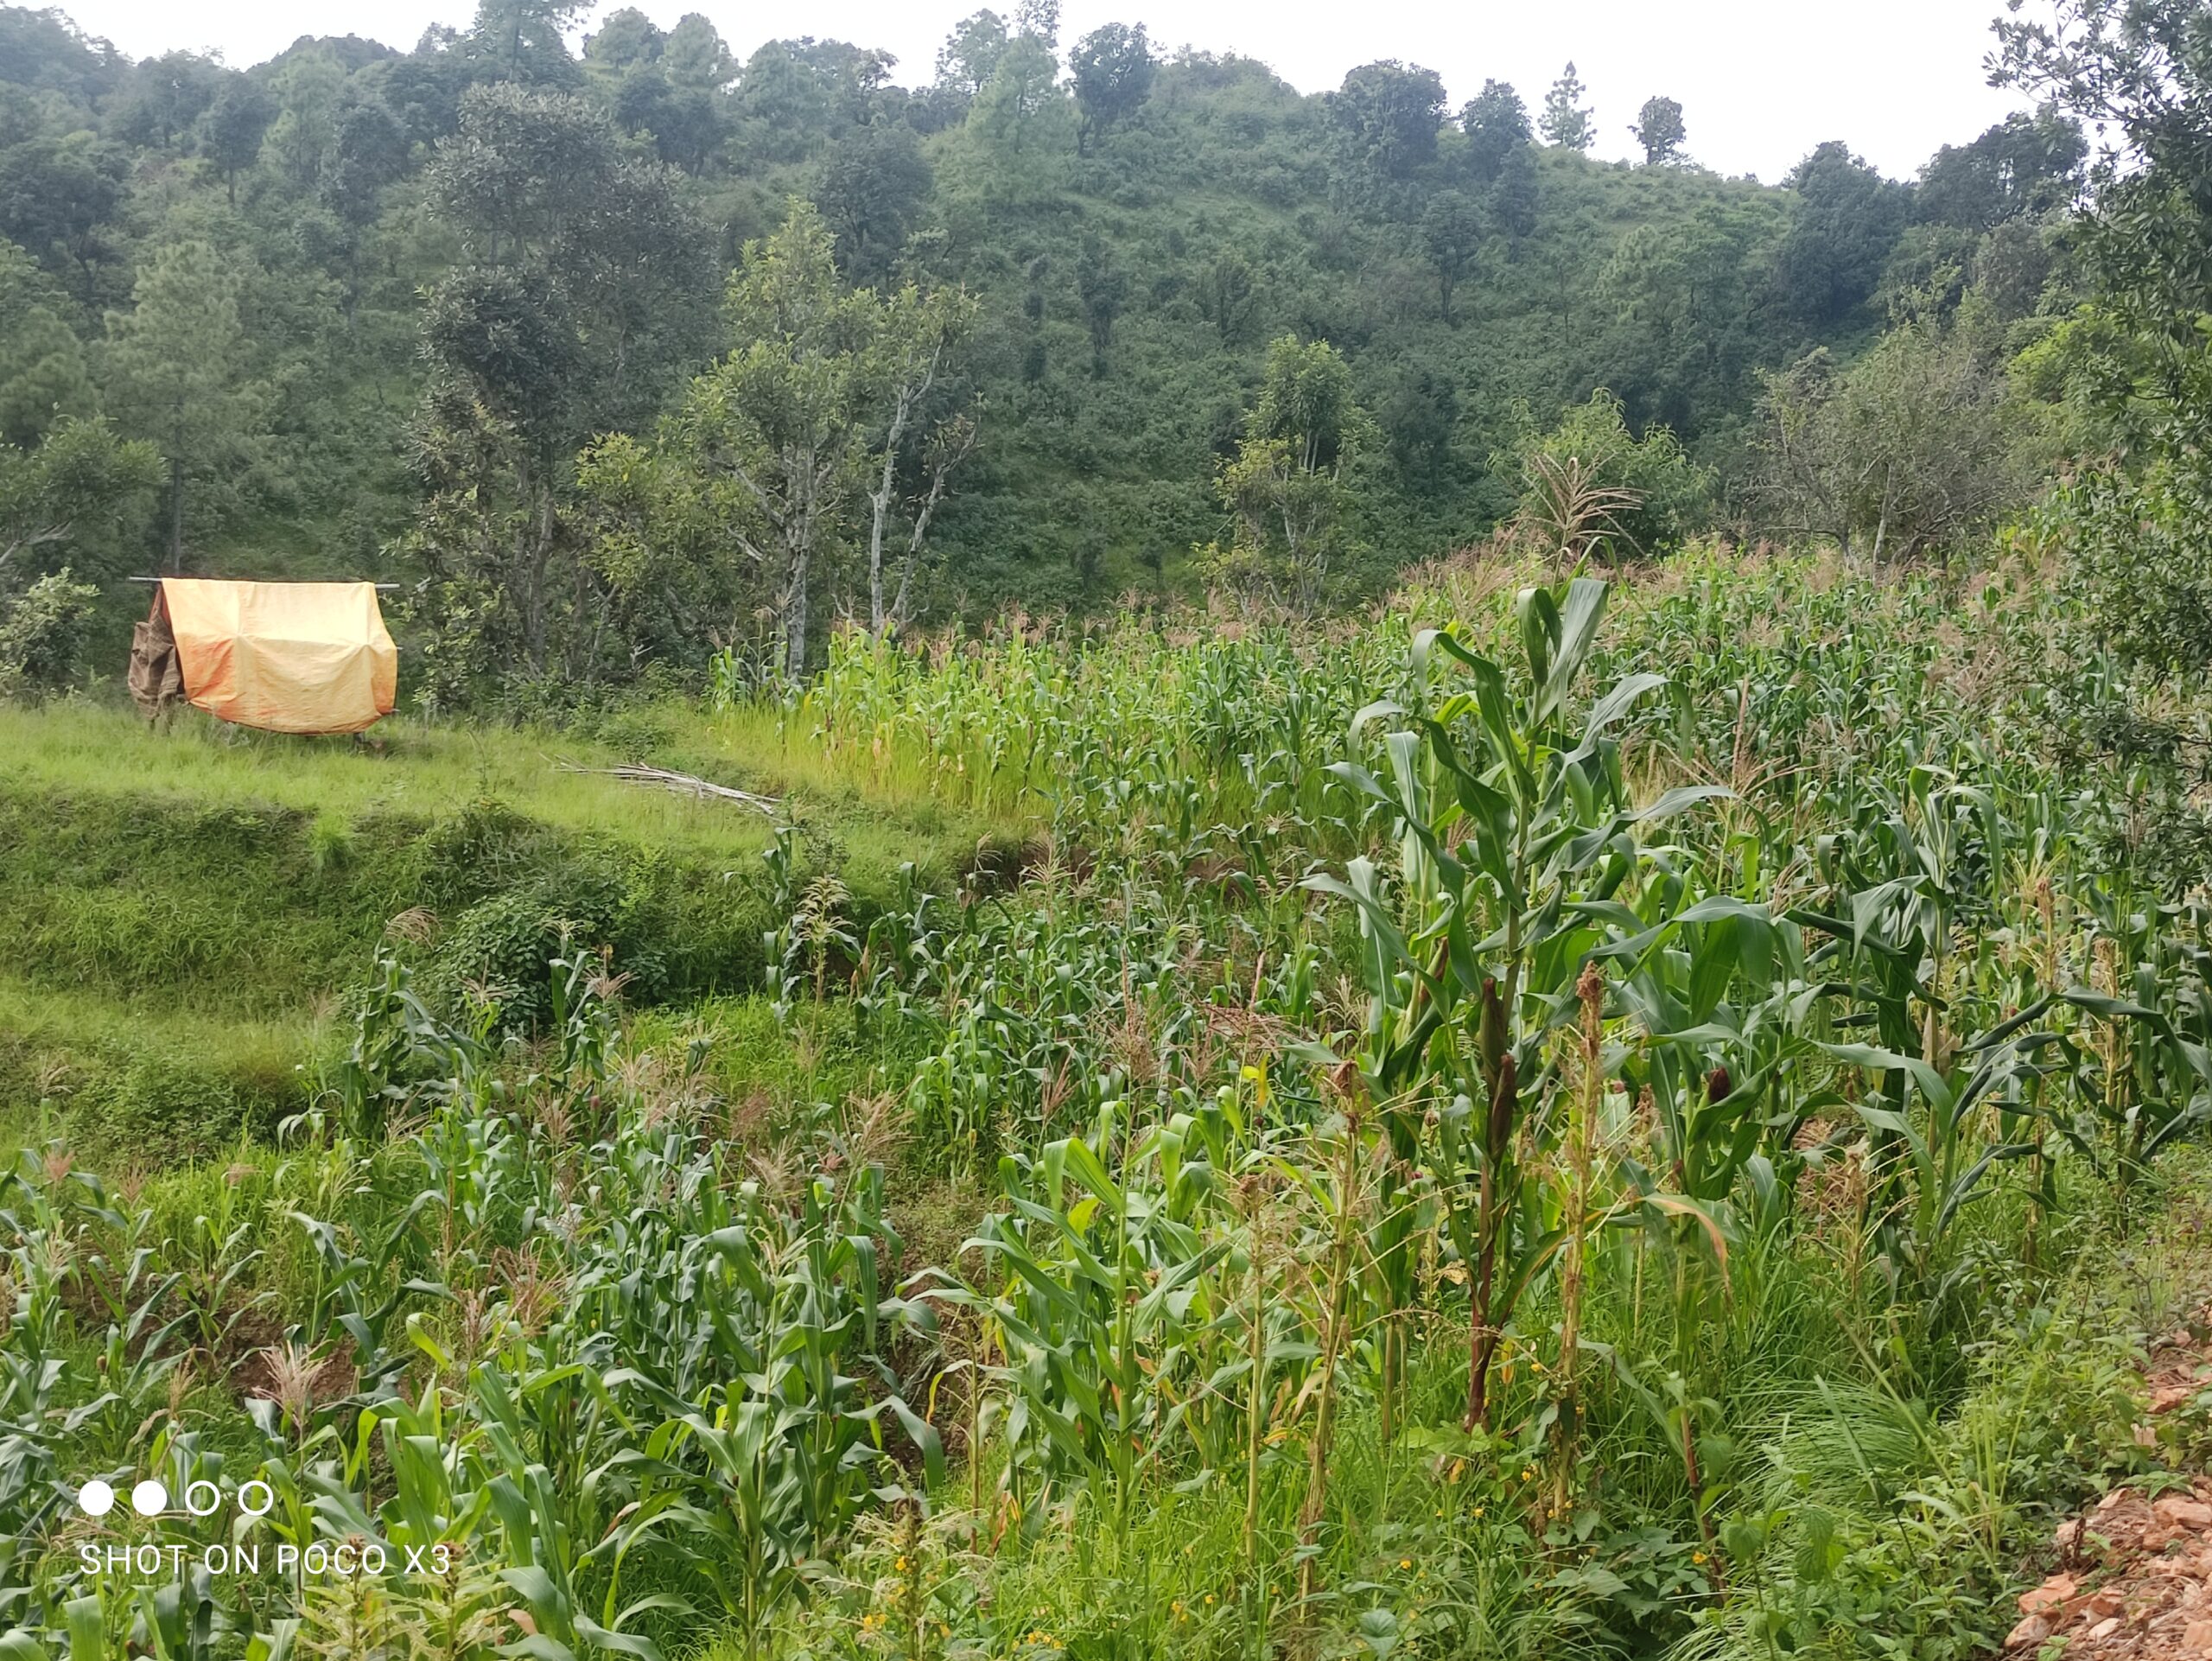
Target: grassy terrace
{"points": [[186, 907]]}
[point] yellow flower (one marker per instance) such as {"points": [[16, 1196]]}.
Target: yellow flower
{"points": [[900, 1565], [1209, 1597], [1404, 1562], [1697, 1556], [1258, 1079]]}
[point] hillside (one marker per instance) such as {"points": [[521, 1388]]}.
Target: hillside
{"points": [[1136, 231]]}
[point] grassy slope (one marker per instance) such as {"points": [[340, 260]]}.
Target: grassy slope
{"points": [[186, 909]]}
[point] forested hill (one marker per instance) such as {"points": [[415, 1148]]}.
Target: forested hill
{"points": [[301, 282]]}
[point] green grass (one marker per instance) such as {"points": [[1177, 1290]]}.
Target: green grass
{"points": [[427, 771], [188, 906]]}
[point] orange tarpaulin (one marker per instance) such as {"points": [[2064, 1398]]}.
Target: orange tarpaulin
{"points": [[287, 656]]}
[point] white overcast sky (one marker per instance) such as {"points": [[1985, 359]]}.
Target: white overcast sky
{"points": [[1761, 82]]}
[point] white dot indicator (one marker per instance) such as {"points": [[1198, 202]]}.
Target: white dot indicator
{"points": [[149, 1499], [96, 1498]]}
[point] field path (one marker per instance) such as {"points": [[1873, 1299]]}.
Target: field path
{"points": [[2134, 1575]]}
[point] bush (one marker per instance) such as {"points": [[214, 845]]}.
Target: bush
{"points": [[1658, 496]]}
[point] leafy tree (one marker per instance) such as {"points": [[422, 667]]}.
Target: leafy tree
{"points": [[1848, 218], [2138, 523], [875, 181], [1113, 69], [686, 123], [58, 199], [577, 305], [372, 151], [1677, 307], [1290, 485], [1452, 230], [1231, 295], [1021, 123], [176, 372], [1515, 199], [538, 183], [1905, 452], [1496, 122], [624, 36], [1658, 127], [521, 39], [43, 375], [1418, 421], [1103, 285], [925, 436], [237, 122], [2025, 164], [164, 99], [696, 57], [308, 90], [1566, 120], [783, 419], [73, 506], [970, 55], [1386, 117]]}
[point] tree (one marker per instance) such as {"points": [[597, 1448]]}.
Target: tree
{"points": [[1229, 295], [44, 376], [579, 299], [686, 123], [372, 151], [1020, 125], [1386, 117], [921, 444], [59, 200], [1649, 495], [522, 39], [164, 99], [176, 373], [1515, 199], [874, 180], [538, 183], [1566, 121], [2025, 164], [1102, 284], [2137, 521], [784, 417], [695, 56], [299, 142], [75, 505], [1419, 419], [1289, 485], [970, 55], [624, 36], [1113, 68], [1658, 127], [1451, 231], [1496, 122], [1905, 452], [237, 122], [1678, 309], [1848, 220]]}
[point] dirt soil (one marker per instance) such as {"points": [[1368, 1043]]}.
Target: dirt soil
{"points": [[2135, 1572]]}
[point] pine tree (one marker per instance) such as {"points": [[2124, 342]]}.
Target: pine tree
{"points": [[1565, 121], [176, 373]]}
